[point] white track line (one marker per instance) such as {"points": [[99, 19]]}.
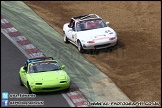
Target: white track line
{"points": [[22, 50]]}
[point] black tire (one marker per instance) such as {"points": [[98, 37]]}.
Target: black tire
{"points": [[67, 89], [116, 43], [29, 89], [65, 39], [21, 84], [113, 47], [80, 48]]}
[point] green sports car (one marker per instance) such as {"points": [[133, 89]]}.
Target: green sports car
{"points": [[43, 74]]}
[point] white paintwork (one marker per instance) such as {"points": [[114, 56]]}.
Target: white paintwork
{"points": [[100, 36]]}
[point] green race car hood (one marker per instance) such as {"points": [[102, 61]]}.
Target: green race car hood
{"points": [[48, 76]]}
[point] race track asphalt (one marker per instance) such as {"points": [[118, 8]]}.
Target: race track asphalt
{"points": [[11, 60], [91, 81]]}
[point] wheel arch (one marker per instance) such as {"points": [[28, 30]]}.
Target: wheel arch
{"points": [[78, 40]]}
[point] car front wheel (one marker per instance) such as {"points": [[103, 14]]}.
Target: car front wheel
{"points": [[67, 89], [29, 89], [80, 48], [21, 84], [65, 39]]}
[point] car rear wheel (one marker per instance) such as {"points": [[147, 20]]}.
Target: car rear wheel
{"points": [[66, 39], [21, 84], [80, 48], [29, 89]]}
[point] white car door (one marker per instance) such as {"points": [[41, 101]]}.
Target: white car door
{"points": [[69, 33], [74, 34]]}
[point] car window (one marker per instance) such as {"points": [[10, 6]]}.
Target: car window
{"points": [[44, 67], [90, 24]]}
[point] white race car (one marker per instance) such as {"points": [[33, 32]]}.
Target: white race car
{"points": [[89, 32]]}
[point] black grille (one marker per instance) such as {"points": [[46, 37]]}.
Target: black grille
{"points": [[104, 45], [62, 81], [50, 88], [38, 83]]}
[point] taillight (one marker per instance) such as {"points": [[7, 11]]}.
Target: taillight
{"points": [[112, 38]]}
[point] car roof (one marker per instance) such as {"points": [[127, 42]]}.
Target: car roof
{"points": [[39, 59], [40, 62], [85, 17]]}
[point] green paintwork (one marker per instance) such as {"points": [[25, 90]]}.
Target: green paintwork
{"points": [[50, 42], [49, 79], [95, 85]]}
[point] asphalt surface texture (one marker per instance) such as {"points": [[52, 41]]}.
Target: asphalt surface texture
{"points": [[11, 61]]}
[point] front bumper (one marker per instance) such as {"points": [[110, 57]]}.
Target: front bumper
{"points": [[49, 87], [100, 45]]}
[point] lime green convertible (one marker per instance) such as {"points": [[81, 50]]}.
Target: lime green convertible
{"points": [[43, 74]]}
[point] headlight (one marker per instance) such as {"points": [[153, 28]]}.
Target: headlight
{"points": [[112, 38]]}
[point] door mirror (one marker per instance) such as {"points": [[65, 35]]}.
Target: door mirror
{"points": [[63, 67], [23, 69], [70, 29], [107, 23]]}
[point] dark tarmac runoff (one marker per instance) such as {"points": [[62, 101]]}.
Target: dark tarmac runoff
{"points": [[11, 61]]}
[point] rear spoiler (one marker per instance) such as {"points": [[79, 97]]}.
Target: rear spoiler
{"points": [[39, 59]]}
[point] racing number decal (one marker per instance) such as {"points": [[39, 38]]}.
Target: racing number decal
{"points": [[107, 31], [75, 37]]}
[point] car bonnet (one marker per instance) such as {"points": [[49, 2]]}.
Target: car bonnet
{"points": [[48, 76], [91, 34]]}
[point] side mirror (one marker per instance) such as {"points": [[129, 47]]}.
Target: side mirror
{"points": [[107, 23], [23, 69], [70, 29], [63, 67]]}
